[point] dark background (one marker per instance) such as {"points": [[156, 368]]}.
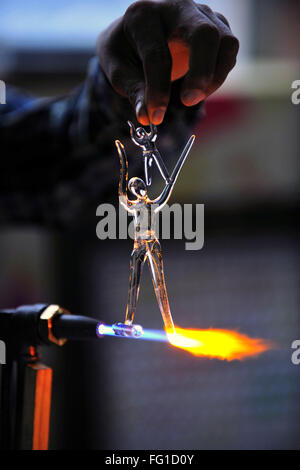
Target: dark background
{"points": [[119, 394]]}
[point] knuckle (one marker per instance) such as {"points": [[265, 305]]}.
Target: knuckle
{"points": [[231, 44], [205, 8], [137, 12], [222, 18], [207, 32]]}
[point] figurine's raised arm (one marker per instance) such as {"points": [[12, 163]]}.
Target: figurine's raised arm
{"points": [[166, 193], [123, 176]]}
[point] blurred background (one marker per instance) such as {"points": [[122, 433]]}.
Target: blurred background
{"points": [[120, 394]]}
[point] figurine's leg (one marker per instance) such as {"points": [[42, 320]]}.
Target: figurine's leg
{"points": [[154, 256], [136, 266]]}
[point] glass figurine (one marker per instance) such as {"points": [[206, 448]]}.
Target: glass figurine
{"points": [[146, 244]]}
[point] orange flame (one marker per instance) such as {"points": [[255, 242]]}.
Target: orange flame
{"points": [[221, 344]]}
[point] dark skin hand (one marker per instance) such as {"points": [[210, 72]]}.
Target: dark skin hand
{"points": [[157, 42]]}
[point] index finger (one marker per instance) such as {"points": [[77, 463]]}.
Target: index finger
{"points": [[148, 37]]}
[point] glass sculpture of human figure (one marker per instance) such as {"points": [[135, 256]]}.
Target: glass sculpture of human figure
{"points": [[146, 244], [147, 141]]}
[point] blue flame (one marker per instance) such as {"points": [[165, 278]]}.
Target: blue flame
{"points": [[148, 335]]}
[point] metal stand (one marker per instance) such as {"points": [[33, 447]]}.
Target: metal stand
{"points": [[25, 382], [25, 403]]}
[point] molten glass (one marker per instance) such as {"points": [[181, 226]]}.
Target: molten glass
{"points": [[214, 343], [130, 331]]}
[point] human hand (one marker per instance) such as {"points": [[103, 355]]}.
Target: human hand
{"points": [[157, 42]]}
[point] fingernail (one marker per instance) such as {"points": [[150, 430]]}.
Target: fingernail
{"points": [[192, 97], [138, 107], [158, 116], [141, 113]]}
